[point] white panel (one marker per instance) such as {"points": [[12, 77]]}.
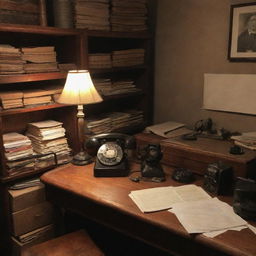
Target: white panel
{"points": [[230, 92]]}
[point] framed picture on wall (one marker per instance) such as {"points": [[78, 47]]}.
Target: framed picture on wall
{"points": [[242, 38]]}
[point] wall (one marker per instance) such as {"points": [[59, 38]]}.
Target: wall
{"points": [[192, 39]]}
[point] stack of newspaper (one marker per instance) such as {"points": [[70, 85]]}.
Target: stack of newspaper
{"points": [[18, 152], [93, 14], [10, 60], [49, 137], [39, 59], [128, 15], [129, 57]]}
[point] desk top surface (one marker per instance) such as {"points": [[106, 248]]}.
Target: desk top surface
{"points": [[113, 192]]}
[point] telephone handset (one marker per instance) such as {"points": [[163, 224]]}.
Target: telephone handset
{"points": [[110, 151]]}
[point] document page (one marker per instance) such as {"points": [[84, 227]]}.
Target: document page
{"points": [[206, 216], [162, 198]]}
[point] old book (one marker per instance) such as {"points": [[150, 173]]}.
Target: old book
{"points": [[30, 6], [39, 58], [38, 49], [37, 100], [11, 95], [40, 67]]}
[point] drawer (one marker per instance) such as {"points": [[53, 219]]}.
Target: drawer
{"points": [[29, 239], [32, 218], [27, 197]]}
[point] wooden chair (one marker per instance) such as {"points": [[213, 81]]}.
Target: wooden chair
{"points": [[76, 243]]}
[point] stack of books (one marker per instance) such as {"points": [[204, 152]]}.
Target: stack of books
{"points": [[128, 15], [107, 88], [100, 60], [113, 121], [49, 137], [92, 14], [11, 99], [130, 57], [47, 95], [18, 153], [39, 59], [99, 124], [19, 12], [10, 60], [246, 140]]}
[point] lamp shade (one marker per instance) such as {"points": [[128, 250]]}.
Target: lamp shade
{"points": [[79, 89]]}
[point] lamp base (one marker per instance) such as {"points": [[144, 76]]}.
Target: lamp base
{"points": [[82, 158]]}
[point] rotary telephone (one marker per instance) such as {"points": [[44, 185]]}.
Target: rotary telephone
{"points": [[110, 150]]}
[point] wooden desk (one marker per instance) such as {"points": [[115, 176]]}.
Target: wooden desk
{"points": [[106, 201]]}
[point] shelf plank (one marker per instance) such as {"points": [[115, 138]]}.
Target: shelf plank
{"points": [[114, 34], [115, 69], [27, 110], [19, 78], [34, 29]]}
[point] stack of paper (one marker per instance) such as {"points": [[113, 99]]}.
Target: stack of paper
{"points": [[93, 14], [129, 57], [39, 59], [246, 140], [11, 99], [49, 136], [162, 198], [10, 60], [128, 15], [100, 60], [207, 216], [17, 147]]}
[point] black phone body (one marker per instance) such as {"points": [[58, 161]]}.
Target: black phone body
{"points": [[110, 151]]}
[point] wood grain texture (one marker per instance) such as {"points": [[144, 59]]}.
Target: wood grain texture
{"points": [[106, 201]]}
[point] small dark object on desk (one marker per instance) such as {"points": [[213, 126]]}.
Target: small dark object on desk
{"points": [[183, 175], [150, 166], [236, 150], [245, 198]]}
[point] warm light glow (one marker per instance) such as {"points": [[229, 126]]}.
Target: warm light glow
{"points": [[79, 89]]}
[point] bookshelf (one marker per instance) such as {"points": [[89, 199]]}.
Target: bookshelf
{"points": [[72, 46]]}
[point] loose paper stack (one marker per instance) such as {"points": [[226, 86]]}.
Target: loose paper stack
{"points": [[100, 60], [129, 57], [207, 216], [17, 147], [10, 60], [128, 15], [11, 99], [92, 14], [162, 198], [49, 136], [246, 140], [39, 59], [106, 87]]}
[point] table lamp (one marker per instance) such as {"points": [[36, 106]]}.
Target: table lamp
{"points": [[79, 90]]}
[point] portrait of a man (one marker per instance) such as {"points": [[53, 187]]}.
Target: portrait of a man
{"points": [[247, 39]]}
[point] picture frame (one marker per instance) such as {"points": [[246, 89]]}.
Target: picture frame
{"points": [[242, 34]]}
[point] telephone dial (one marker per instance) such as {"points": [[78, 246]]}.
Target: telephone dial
{"points": [[110, 150]]}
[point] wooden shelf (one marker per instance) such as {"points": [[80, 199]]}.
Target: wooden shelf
{"points": [[32, 109], [113, 34], [19, 78], [116, 69], [33, 29]]}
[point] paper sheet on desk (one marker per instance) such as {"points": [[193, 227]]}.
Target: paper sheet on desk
{"points": [[206, 216], [162, 198], [168, 129]]}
